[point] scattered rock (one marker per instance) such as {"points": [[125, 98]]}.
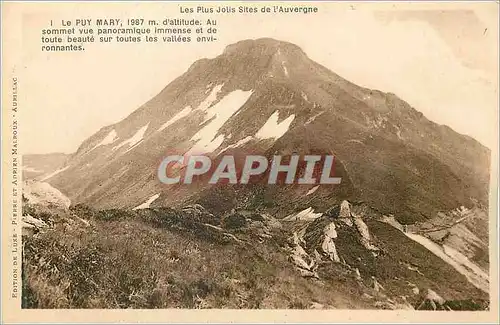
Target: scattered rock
{"points": [[364, 232], [328, 245], [299, 257], [31, 225], [345, 213], [432, 301], [271, 222], [198, 213], [304, 215], [358, 275], [432, 295], [376, 285], [393, 222], [316, 305], [317, 255], [34, 221]]}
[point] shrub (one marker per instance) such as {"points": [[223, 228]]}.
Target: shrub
{"points": [[234, 221]]}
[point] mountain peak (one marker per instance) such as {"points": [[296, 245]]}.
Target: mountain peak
{"points": [[268, 57], [224, 104], [263, 47]]}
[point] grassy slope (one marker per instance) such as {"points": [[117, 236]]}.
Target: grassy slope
{"points": [[165, 258], [124, 261]]}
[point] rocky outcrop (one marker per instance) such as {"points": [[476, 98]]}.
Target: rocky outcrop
{"points": [[43, 194], [198, 213], [304, 215], [345, 213], [31, 225], [328, 245], [303, 262], [432, 301], [350, 219], [364, 232]]}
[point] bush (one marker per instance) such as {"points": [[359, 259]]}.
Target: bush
{"points": [[234, 221]]}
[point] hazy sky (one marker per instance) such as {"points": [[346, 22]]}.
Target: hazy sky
{"points": [[443, 62]]}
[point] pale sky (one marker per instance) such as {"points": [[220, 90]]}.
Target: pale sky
{"points": [[444, 63]]}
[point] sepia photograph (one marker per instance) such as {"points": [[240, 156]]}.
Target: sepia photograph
{"points": [[301, 157]]}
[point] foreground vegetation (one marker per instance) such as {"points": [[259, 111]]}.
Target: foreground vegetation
{"points": [[189, 258], [156, 259]]}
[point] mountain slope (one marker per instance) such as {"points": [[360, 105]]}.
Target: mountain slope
{"points": [[42, 165], [190, 258], [267, 97]]}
